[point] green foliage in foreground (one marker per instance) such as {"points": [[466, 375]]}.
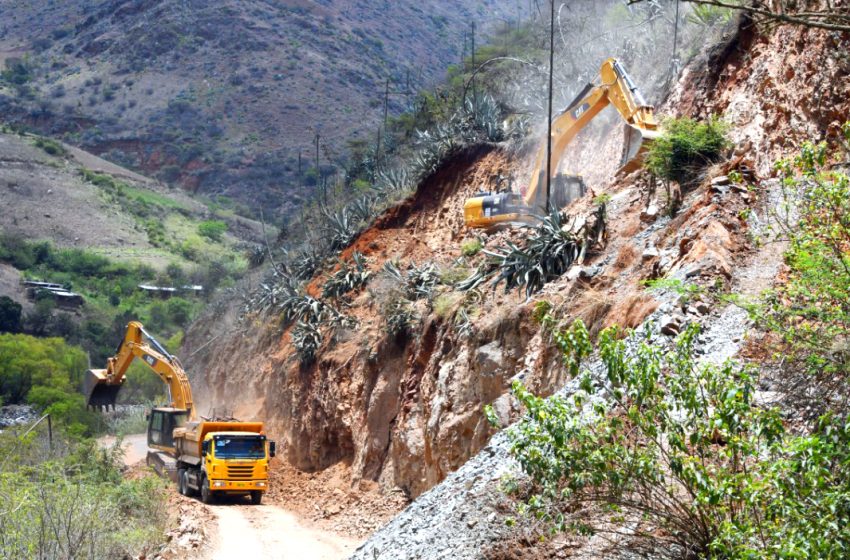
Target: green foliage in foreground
{"points": [[683, 450], [46, 373], [74, 503], [686, 147]]}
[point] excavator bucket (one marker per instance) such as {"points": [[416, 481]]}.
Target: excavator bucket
{"points": [[635, 144], [98, 391]]}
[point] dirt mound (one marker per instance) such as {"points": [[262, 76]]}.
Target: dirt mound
{"points": [[328, 499]]}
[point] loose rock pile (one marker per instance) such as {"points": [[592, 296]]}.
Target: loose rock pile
{"points": [[17, 415]]}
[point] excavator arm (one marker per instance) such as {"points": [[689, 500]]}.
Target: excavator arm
{"points": [[616, 88], [101, 386]]}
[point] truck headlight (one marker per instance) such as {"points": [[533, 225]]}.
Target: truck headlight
{"points": [[219, 483], [261, 484]]}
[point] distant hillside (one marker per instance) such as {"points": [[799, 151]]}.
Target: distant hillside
{"points": [[74, 219], [73, 199], [221, 97]]}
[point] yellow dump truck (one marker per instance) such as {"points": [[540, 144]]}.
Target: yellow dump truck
{"points": [[207, 456]]}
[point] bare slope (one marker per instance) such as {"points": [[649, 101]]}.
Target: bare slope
{"points": [[222, 96], [53, 197]]}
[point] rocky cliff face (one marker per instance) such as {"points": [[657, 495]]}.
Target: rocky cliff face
{"points": [[408, 411], [758, 83]]}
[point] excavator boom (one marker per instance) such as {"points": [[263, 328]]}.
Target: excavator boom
{"points": [[616, 88], [101, 386]]}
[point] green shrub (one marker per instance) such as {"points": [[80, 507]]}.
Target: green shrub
{"points": [[445, 304], [179, 311], [454, 274], [708, 16], [76, 505], [51, 147], [212, 229], [22, 254], [471, 247], [18, 71], [686, 147], [682, 451]]}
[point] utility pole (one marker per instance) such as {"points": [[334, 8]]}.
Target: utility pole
{"points": [[386, 102], [299, 169], [473, 69], [549, 121], [319, 174]]}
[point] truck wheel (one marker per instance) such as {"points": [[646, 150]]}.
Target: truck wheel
{"points": [[207, 495], [181, 482], [256, 497]]}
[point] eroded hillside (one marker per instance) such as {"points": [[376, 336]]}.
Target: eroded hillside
{"points": [[407, 410]]}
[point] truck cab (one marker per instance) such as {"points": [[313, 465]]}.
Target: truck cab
{"points": [[227, 462], [237, 463]]}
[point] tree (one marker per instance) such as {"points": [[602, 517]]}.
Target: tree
{"points": [[38, 320], [10, 315]]}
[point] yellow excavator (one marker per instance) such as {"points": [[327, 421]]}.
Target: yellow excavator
{"points": [[489, 209], [211, 457]]}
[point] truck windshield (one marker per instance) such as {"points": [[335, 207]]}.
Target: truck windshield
{"points": [[240, 448]]}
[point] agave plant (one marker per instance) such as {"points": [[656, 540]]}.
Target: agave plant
{"points": [[394, 180], [347, 278], [306, 338], [392, 270], [478, 277], [256, 255], [362, 208], [399, 317], [305, 262], [422, 280], [340, 227], [275, 289], [463, 324], [548, 252], [417, 282], [302, 307], [486, 118]]}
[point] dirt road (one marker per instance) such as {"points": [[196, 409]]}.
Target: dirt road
{"points": [[135, 447], [268, 532], [238, 530]]}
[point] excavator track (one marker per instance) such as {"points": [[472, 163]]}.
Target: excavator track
{"points": [[165, 466]]}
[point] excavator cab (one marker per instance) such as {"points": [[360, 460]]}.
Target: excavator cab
{"points": [[486, 208], [161, 424], [492, 209]]}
